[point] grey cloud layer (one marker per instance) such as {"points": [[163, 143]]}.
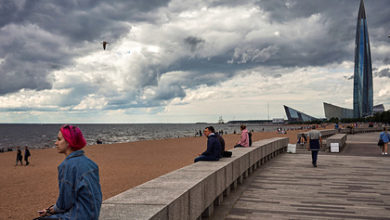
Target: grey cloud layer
{"points": [[38, 37]]}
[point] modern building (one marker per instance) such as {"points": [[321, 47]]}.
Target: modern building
{"points": [[362, 79], [378, 109], [333, 111], [363, 101], [297, 116]]}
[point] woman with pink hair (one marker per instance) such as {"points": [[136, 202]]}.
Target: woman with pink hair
{"points": [[80, 196]]}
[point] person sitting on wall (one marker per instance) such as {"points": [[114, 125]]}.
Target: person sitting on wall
{"points": [[244, 140], [213, 151]]}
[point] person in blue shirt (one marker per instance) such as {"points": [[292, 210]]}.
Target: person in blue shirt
{"points": [[80, 196], [213, 151], [385, 137]]}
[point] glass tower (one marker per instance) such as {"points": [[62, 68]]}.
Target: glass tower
{"points": [[362, 82]]}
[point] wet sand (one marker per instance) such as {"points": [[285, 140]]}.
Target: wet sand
{"points": [[26, 189]]}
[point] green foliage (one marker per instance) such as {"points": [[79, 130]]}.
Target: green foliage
{"points": [[383, 117]]}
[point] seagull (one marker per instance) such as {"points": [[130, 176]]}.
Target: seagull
{"points": [[104, 45]]}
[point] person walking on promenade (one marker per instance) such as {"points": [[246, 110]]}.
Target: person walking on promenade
{"points": [[314, 144], [19, 157], [385, 137], [26, 155], [244, 140], [213, 151], [80, 195]]}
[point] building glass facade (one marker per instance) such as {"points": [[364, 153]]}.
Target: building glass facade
{"points": [[362, 84], [297, 116]]}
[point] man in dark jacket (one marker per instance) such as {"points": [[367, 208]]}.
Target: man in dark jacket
{"points": [[213, 152], [26, 155]]}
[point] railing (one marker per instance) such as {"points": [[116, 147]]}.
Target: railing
{"points": [[192, 191]]}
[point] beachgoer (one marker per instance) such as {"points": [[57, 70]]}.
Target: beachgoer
{"points": [[222, 142], [314, 142], [19, 157], [244, 138], [26, 155], [80, 196], [385, 137], [213, 152]]}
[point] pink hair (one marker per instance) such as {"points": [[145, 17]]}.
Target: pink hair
{"points": [[73, 136]]}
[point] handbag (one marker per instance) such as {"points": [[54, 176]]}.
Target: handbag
{"points": [[381, 143], [226, 154]]}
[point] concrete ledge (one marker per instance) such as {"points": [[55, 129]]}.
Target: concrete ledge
{"points": [[192, 191], [360, 130], [336, 138], [301, 148]]}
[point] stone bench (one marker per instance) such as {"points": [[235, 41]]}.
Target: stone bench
{"points": [[336, 138], [301, 148], [192, 191]]}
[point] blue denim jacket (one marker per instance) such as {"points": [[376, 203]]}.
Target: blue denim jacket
{"points": [[80, 196], [385, 136]]}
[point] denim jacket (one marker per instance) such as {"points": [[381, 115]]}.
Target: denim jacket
{"points": [[80, 196], [384, 136]]}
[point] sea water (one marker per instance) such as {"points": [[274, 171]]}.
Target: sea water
{"points": [[44, 135]]}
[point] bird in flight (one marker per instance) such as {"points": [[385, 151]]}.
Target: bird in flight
{"points": [[104, 45]]}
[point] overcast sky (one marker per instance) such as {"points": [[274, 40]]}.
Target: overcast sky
{"points": [[183, 60]]}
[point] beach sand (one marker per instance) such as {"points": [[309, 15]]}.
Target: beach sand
{"points": [[26, 189]]}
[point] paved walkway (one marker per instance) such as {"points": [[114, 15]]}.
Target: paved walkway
{"points": [[341, 187]]}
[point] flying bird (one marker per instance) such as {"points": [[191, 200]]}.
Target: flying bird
{"points": [[104, 45]]}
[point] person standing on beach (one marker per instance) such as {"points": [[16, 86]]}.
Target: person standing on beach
{"points": [[213, 152], [244, 140], [80, 195], [19, 157], [314, 144], [26, 155], [385, 137]]}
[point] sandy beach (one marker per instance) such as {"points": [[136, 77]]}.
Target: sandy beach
{"points": [[26, 189]]}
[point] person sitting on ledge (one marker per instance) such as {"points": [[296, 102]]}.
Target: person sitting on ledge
{"points": [[244, 140], [80, 195], [213, 152]]}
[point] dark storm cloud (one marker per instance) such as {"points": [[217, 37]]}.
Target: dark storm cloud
{"points": [[331, 45], [39, 36], [383, 73]]}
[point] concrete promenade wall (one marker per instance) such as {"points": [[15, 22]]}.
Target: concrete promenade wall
{"points": [[361, 130], [192, 191], [324, 135]]}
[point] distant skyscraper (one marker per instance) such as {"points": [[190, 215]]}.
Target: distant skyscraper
{"points": [[362, 82]]}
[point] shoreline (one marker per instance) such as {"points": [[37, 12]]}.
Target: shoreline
{"points": [[46, 139], [24, 190]]}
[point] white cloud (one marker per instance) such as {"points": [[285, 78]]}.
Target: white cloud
{"points": [[190, 61]]}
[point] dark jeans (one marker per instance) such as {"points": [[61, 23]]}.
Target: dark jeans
{"points": [[314, 155], [26, 159], [204, 158], [46, 218]]}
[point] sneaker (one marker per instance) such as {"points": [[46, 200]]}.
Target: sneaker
{"points": [[383, 153], [386, 153]]}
